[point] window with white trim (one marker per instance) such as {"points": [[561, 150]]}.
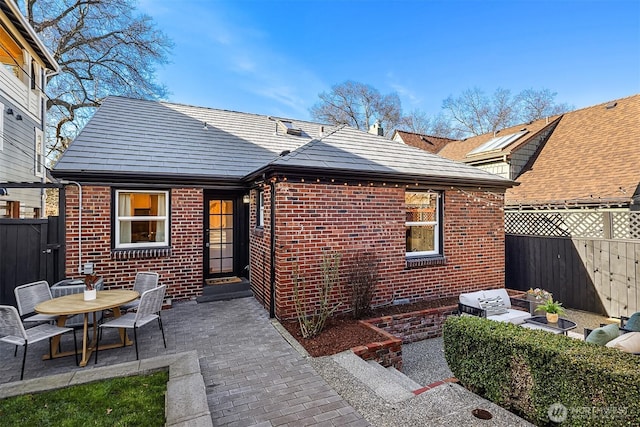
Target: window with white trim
{"points": [[141, 219], [423, 227], [260, 209], [39, 153]]}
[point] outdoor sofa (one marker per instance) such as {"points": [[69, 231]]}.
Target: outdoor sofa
{"points": [[495, 304], [625, 337]]}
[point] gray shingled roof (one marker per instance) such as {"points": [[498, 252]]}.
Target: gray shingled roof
{"points": [[138, 138]]}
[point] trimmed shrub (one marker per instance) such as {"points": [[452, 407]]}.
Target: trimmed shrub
{"points": [[530, 371]]}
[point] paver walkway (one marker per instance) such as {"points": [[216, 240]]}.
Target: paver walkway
{"points": [[252, 375]]}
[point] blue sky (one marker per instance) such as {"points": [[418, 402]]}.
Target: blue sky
{"points": [[275, 57]]}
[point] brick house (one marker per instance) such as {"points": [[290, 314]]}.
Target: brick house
{"points": [[197, 193]]}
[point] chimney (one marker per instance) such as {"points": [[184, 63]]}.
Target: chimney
{"points": [[376, 129]]}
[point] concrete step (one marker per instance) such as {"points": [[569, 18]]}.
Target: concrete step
{"points": [[225, 292], [404, 380], [224, 297], [378, 379]]}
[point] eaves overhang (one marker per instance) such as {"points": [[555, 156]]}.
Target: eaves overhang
{"points": [[378, 176], [161, 180], [11, 10]]}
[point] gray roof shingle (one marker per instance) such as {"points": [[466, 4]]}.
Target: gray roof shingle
{"points": [[137, 137]]}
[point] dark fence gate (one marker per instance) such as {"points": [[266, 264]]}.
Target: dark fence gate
{"points": [[30, 250]]}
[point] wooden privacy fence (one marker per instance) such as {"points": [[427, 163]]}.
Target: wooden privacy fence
{"points": [[30, 250], [588, 260]]}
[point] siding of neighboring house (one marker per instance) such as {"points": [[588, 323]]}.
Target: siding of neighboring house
{"points": [[498, 167], [524, 154], [311, 218], [18, 157], [180, 268]]}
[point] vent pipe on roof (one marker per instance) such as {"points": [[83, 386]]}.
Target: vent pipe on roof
{"points": [[376, 129]]}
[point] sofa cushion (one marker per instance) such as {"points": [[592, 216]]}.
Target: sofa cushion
{"points": [[502, 293], [633, 324], [629, 342], [493, 306], [516, 317], [471, 298], [603, 334]]}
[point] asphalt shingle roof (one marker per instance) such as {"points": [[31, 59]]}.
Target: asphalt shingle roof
{"points": [[592, 155], [137, 137], [429, 143]]}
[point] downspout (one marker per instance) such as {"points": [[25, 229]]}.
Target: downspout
{"points": [[272, 298], [79, 222]]}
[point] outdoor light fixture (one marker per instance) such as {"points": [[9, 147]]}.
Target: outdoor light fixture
{"points": [[3, 192], [18, 117], [246, 199], [10, 111]]}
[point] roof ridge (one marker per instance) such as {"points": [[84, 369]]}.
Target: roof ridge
{"points": [[199, 107]]}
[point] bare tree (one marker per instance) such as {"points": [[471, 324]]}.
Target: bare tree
{"points": [[538, 104], [358, 105], [473, 112], [103, 48], [418, 121]]}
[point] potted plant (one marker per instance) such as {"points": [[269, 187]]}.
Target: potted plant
{"points": [[552, 308], [89, 282]]}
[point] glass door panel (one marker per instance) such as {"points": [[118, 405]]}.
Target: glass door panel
{"points": [[220, 236]]}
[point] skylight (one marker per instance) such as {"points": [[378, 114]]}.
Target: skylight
{"points": [[498, 143], [289, 128]]}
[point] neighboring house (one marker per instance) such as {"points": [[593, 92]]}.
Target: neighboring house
{"points": [[197, 193], [429, 143], [573, 223], [586, 158], [25, 66]]}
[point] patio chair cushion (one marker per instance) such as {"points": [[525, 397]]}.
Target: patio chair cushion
{"points": [[633, 324], [603, 334], [629, 342], [493, 306]]}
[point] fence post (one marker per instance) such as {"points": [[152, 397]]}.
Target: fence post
{"points": [[607, 227]]}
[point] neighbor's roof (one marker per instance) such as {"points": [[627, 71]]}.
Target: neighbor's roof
{"points": [[429, 143], [129, 137], [592, 156], [11, 10], [459, 150]]}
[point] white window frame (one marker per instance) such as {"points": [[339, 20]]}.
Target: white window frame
{"points": [[260, 208], [118, 220], [1, 127], [437, 227], [39, 153]]}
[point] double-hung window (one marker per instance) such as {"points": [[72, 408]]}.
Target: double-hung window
{"points": [[142, 219], [423, 225], [260, 209]]}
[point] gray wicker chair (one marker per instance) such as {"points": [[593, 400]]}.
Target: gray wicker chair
{"points": [[144, 281], [13, 332], [148, 311], [30, 295]]}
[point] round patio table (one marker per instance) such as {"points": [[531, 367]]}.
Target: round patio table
{"points": [[73, 304]]}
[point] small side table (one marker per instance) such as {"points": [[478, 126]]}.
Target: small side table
{"points": [[540, 322]]}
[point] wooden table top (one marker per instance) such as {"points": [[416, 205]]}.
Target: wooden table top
{"points": [[75, 303]]}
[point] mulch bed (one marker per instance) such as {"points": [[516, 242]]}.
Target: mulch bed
{"points": [[342, 332]]}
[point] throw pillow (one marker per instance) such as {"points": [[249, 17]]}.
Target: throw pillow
{"points": [[603, 334], [633, 324], [493, 306], [629, 342]]}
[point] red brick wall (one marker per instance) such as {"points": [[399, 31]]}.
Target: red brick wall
{"points": [[181, 270], [312, 217]]}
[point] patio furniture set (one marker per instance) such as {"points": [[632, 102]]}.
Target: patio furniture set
{"points": [[496, 304], [64, 308]]}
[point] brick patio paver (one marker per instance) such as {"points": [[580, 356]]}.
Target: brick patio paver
{"points": [[253, 377]]}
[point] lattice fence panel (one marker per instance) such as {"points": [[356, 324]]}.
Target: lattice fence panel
{"points": [[625, 225], [585, 225]]}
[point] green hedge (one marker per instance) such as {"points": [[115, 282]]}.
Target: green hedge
{"points": [[527, 371]]}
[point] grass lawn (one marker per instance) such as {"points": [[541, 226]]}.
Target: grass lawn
{"points": [[128, 401]]}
